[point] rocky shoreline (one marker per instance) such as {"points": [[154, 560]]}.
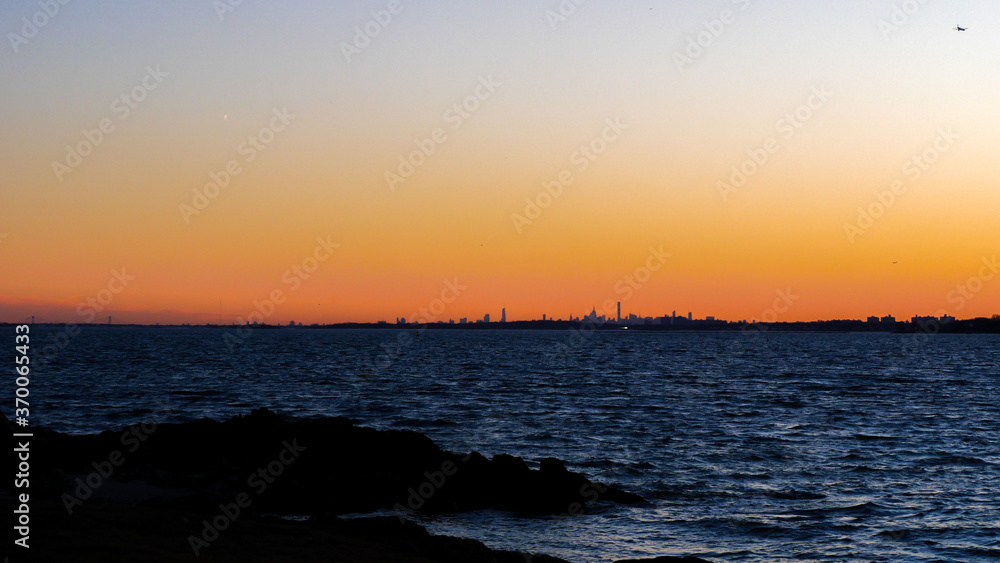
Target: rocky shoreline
{"points": [[216, 490]]}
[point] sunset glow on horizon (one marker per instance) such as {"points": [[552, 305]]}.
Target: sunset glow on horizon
{"points": [[177, 163]]}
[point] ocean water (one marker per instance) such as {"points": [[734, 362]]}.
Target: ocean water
{"points": [[749, 446]]}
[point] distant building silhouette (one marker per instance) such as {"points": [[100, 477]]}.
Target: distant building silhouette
{"points": [[922, 321], [593, 317], [486, 318], [503, 315]]}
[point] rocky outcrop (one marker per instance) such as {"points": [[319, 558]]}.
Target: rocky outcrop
{"points": [[103, 532], [324, 466]]}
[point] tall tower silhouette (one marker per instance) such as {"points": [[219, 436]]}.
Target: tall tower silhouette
{"points": [[503, 315]]}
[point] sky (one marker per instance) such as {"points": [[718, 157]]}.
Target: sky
{"points": [[363, 161]]}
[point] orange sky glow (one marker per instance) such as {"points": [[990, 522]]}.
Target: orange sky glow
{"points": [[580, 164]]}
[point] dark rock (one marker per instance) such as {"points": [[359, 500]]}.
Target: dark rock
{"points": [[552, 465], [118, 533], [319, 466]]}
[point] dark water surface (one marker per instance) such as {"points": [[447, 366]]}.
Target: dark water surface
{"points": [[751, 447]]}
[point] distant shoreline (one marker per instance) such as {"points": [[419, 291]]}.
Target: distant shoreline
{"points": [[979, 325]]}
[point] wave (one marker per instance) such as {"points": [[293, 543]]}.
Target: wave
{"points": [[951, 459], [875, 438], [792, 494], [858, 510], [417, 423]]}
